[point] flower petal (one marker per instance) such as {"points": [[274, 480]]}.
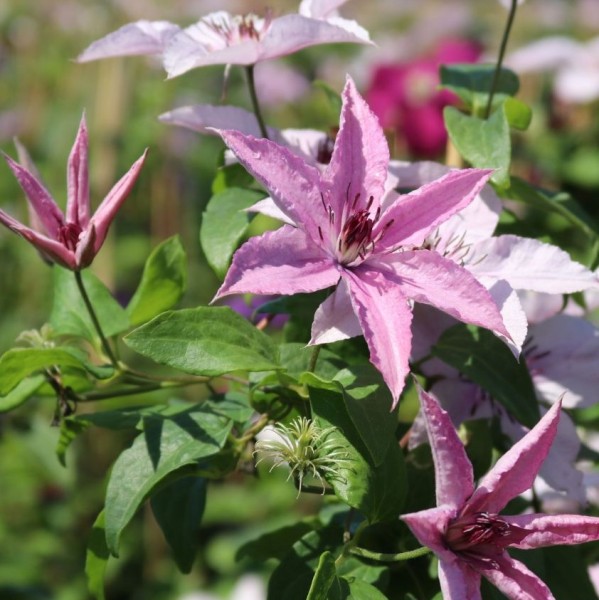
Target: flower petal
{"points": [[319, 9], [427, 277], [516, 581], [454, 479], [512, 314], [77, 180], [458, 581], [293, 184], [112, 202], [40, 199], [417, 214], [279, 262], [528, 264], [429, 528], [360, 157], [141, 37], [516, 470], [385, 318], [552, 530], [50, 248], [335, 319]]}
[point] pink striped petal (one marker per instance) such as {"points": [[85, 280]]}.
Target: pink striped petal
{"points": [[429, 528], [385, 318], [458, 581], [516, 470], [516, 581], [360, 157], [77, 180], [279, 262]]}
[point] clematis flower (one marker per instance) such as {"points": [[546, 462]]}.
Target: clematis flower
{"points": [[222, 38], [342, 236], [74, 239], [466, 531]]}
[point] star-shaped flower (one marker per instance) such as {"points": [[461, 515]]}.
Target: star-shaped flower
{"points": [[466, 531], [339, 234], [222, 38], [74, 239]]}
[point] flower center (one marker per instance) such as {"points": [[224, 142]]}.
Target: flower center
{"points": [[69, 234], [241, 28], [481, 537], [355, 240]]}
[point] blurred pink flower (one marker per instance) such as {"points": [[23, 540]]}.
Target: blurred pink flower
{"points": [[72, 240], [404, 96]]}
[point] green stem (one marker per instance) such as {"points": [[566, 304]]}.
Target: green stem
{"points": [[380, 557], [94, 318], [504, 39], [254, 97], [313, 359], [141, 389]]}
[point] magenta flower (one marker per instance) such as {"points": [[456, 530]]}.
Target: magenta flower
{"points": [[339, 234], [465, 530], [72, 240], [406, 97]]}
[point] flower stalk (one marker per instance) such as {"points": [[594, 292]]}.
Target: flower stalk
{"points": [[254, 97]]}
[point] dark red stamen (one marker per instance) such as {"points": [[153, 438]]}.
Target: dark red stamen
{"points": [[68, 235]]}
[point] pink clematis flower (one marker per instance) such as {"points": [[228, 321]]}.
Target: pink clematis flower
{"points": [[72, 240], [339, 234], [222, 38], [466, 531]]}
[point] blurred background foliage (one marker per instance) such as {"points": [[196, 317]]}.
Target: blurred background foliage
{"points": [[46, 511]]}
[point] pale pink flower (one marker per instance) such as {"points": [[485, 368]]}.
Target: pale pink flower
{"points": [[342, 236], [465, 529], [74, 239]]}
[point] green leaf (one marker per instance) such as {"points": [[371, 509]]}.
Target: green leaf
{"points": [[21, 392], [472, 83], [234, 406], [96, 559], [69, 314], [231, 176], [562, 204], [163, 282], [361, 590], [70, 428], [273, 544], [204, 341], [19, 363], [324, 577], [293, 577], [178, 508], [224, 224], [156, 457], [518, 114], [357, 481], [332, 95], [488, 362], [484, 143]]}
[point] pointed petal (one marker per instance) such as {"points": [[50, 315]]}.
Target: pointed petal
{"points": [[335, 319], [516, 470], [453, 471], [290, 33], [552, 530], [385, 318], [417, 214], [528, 264], [429, 527], [360, 157], [26, 161], [458, 581], [319, 9], [279, 262], [48, 247], [427, 277], [267, 207], [142, 37], [294, 185], [516, 581], [512, 314], [77, 180], [110, 205], [40, 199]]}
